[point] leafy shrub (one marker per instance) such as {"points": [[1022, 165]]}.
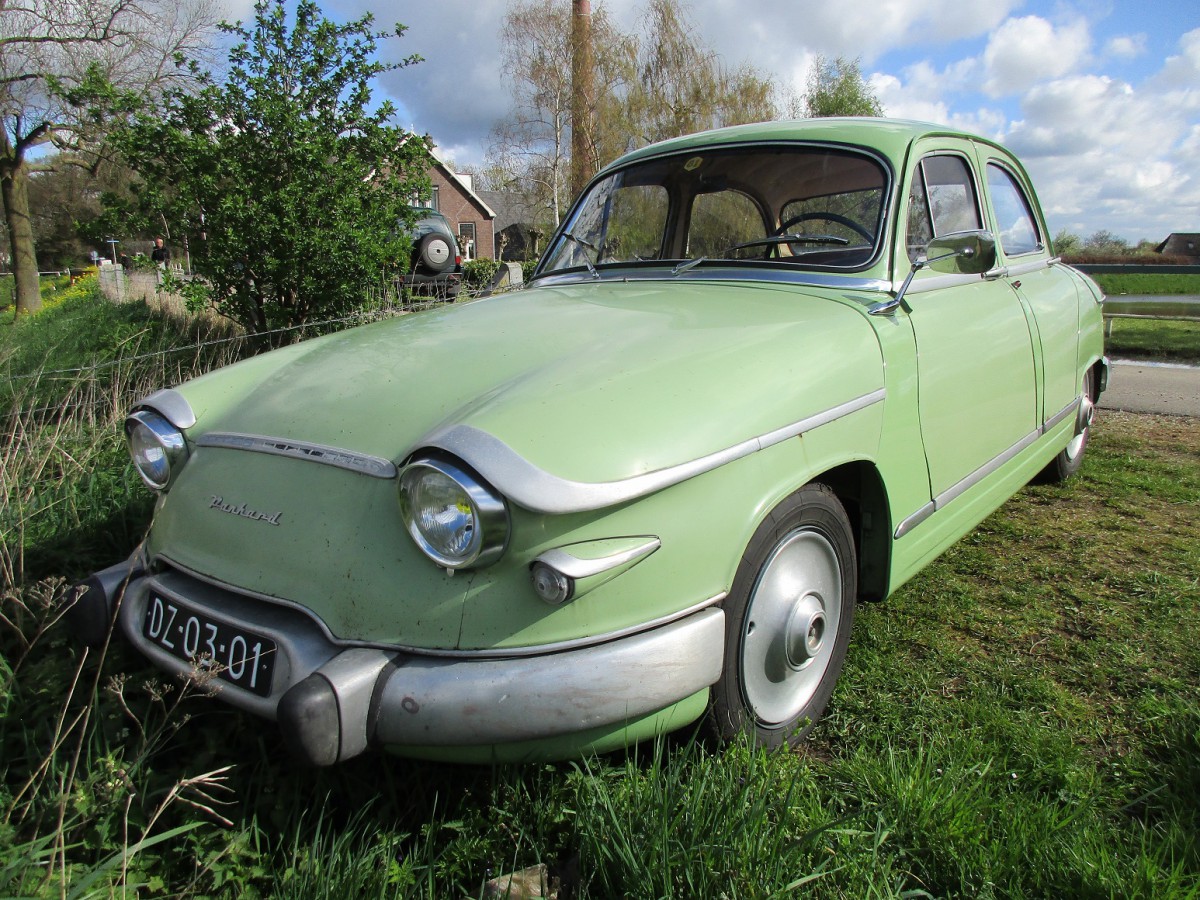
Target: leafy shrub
{"points": [[478, 273]]}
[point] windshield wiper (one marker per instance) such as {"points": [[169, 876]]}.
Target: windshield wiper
{"points": [[788, 239], [684, 266], [582, 243]]}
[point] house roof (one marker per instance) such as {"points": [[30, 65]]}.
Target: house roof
{"points": [[511, 208], [1180, 244], [461, 184]]}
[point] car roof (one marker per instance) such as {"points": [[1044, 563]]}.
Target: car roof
{"points": [[889, 137]]}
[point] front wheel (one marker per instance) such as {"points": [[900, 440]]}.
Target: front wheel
{"points": [[788, 620]]}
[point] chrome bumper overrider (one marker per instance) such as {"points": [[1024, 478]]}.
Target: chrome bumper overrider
{"points": [[332, 701]]}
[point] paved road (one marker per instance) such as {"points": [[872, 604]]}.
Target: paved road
{"points": [[1153, 388]]}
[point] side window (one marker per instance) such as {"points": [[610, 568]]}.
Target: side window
{"points": [[942, 201], [720, 220], [1016, 225]]}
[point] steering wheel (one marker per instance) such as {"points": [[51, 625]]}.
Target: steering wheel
{"points": [[826, 217]]}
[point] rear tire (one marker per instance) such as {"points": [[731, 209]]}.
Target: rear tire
{"points": [[1070, 458], [788, 621]]}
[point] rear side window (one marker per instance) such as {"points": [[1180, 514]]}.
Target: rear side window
{"points": [[1017, 230], [942, 201]]}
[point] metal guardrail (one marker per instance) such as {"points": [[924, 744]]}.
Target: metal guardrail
{"points": [[1134, 269], [1110, 317]]}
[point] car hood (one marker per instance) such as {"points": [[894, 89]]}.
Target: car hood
{"points": [[590, 383]]}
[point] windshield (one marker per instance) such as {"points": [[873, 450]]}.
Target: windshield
{"points": [[806, 206]]}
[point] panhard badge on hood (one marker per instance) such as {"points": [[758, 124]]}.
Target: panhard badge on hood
{"points": [[242, 510]]}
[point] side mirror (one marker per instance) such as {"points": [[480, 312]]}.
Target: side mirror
{"points": [[962, 253]]}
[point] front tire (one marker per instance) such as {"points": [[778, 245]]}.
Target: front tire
{"points": [[788, 621]]}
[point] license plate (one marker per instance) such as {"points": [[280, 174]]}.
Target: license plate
{"points": [[240, 657]]}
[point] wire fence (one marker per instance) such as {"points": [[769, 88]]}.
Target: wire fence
{"points": [[119, 285]]}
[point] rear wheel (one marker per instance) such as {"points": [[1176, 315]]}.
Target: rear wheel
{"points": [[1070, 458], [788, 621]]}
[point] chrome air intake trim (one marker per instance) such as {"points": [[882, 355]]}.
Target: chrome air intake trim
{"points": [[361, 463]]}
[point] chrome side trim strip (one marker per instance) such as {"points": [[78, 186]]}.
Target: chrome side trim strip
{"points": [[500, 653], [1026, 267], [361, 463], [916, 519], [172, 406], [954, 492], [948, 496], [936, 283], [1065, 413], [540, 491], [564, 561]]}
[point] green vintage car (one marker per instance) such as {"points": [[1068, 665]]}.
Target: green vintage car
{"points": [[761, 374]]}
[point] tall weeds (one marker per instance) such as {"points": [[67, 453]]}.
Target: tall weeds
{"points": [[77, 806]]}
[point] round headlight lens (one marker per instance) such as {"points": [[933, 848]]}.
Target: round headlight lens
{"points": [[157, 447], [456, 519]]}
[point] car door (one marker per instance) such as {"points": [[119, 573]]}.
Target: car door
{"points": [[977, 382], [1046, 291]]}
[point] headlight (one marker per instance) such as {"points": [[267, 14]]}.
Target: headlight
{"points": [[456, 518], [157, 447]]}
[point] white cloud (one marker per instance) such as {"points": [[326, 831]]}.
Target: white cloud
{"points": [[1111, 155], [1183, 70], [1126, 47], [1022, 52], [872, 28]]}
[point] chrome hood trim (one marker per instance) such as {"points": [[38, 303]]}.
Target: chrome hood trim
{"points": [[318, 453], [528, 486]]}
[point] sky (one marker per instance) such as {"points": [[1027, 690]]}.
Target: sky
{"points": [[1099, 98]]}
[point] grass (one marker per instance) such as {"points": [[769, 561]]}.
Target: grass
{"points": [[1021, 720], [1159, 339], [1136, 283]]}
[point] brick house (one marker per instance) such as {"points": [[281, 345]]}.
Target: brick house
{"points": [[472, 219]]}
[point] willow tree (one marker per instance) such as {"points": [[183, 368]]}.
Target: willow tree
{"points": [[659, 81], [678, 85], [836, 87]]}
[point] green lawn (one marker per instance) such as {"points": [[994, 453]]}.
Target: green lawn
{"points": [[1021, 720], [1156, 339], [1114, 285]]}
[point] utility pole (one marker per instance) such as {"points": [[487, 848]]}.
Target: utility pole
{"points": [[582, 94]]}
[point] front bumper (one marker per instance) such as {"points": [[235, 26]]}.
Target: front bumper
{"points": [[333, 699]]}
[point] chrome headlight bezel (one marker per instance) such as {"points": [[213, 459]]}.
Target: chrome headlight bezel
{"points": [[147, 433], [489, 517]]}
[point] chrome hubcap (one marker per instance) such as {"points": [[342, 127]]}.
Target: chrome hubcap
{"points": [[1087, 409], [805, 631], [791, 627]]}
